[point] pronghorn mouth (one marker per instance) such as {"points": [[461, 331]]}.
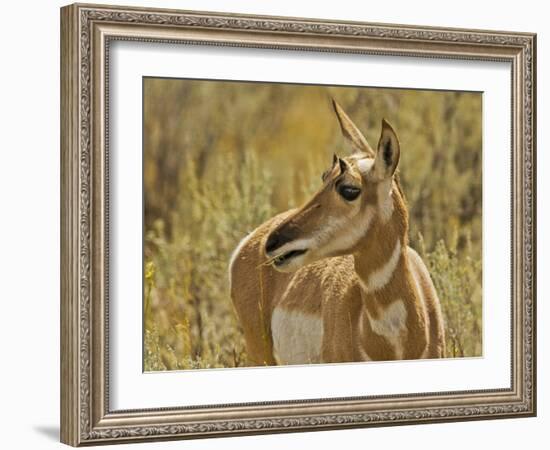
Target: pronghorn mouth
{"points": [[285, 257]]}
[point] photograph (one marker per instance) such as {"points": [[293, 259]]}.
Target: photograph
{"points": [[294, 224]]}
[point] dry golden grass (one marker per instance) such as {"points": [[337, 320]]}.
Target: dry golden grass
{"points": [[221, 158]]}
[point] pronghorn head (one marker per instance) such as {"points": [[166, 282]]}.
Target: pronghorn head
{"points": [[358, 193]]}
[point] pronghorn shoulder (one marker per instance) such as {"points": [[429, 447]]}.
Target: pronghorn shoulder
{"points": [[340, 290], [331, 274], [326, 280], [339, 275]]}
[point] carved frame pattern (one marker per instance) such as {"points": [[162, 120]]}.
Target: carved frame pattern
{"points": [[87, 31]]}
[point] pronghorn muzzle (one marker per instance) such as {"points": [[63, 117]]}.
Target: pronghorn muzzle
{"points": [[279, 247]]}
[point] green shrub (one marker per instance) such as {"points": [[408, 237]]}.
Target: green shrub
{"points": [[189, 320], [457, 279]]}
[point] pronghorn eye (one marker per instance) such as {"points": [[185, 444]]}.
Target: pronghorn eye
{"points": [[349, 193]]}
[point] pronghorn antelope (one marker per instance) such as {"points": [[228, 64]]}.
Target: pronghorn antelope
{"points": [[335, 280]]}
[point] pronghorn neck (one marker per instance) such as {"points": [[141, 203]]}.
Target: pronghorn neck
{"points": [[380, 257], [389, 294], [381, 267]]}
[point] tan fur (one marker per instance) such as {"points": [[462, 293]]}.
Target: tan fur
{"points": [[401, 319]]}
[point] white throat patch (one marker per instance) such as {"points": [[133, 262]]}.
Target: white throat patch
{"points": [[382, 276]]}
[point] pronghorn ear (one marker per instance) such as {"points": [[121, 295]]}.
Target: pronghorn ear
{"points": [[350, 131], [388, 152]]}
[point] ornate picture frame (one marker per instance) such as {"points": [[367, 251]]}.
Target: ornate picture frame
{"points": [[87, 31]]}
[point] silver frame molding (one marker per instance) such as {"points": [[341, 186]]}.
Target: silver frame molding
{"points": [[86, 33]]}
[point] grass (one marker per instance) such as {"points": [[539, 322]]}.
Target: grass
{"points": [[212, 175]]}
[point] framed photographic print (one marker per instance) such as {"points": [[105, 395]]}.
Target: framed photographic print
{"points": [[275, 224]]}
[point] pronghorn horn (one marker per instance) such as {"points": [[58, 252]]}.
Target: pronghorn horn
{"points": [[343, 165], [351, 132]]}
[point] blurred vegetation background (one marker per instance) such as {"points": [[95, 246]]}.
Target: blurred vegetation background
{"points": [[222, 157]]}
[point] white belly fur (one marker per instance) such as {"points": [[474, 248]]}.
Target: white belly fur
{"points": [[297, 337]]}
